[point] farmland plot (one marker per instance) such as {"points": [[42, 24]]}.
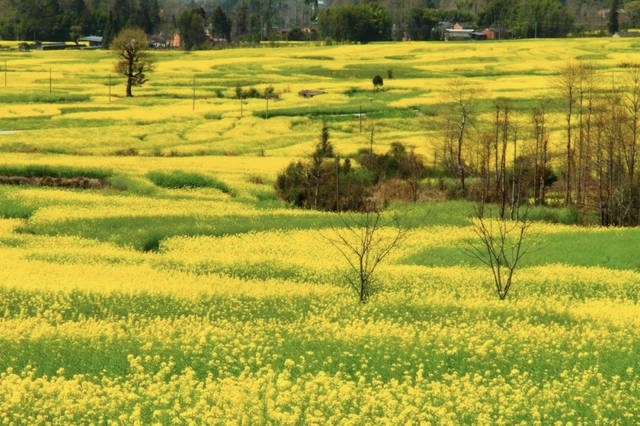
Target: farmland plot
{"points": [[151, 302]]}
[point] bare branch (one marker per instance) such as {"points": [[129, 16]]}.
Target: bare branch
{"points": [[360, 242], [499, 245]]}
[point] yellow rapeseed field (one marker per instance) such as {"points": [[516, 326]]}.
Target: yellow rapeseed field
{"points": [[142, 304]]}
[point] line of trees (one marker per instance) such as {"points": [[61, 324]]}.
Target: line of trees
{"points": [[602, 126], [61, 20], [510, 161], [363, 22], [258, 20], [527, 18], [591, 165]]}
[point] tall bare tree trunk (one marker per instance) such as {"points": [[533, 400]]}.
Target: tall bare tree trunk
{"points": [[566, 84], [459, 119], [541, 154], [585, 86], [503, 110], [633, 108]]}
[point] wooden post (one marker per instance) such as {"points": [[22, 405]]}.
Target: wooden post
{"points": [[193, 107]]}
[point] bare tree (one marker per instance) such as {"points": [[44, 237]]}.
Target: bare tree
{"points": [[502, 127], [632, 103], [458, 123], [566, 83], [133, 62], [586, 87], [541, 134], [414, 174], [481, 165], [611, 159], [365, 242], [269, 93], [499, 244]]}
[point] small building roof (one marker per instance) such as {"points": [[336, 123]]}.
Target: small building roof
{"points": [[91, 39]]}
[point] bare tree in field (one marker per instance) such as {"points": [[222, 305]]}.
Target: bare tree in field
{"points": [[461, 95], [484, 149], [503, 126], [414, 173], [615, 158], [565, 83], [632, 103], [133, 62], [499, 244], [365, 242], [586, 89], [608, 164], [539, 120]]}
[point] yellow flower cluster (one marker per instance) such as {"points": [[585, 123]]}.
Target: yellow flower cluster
{"points": [[181, 120], [96, 333], [260, 327], [268, 396]]}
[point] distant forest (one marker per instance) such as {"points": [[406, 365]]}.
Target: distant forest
{"points": [[203, 23]]}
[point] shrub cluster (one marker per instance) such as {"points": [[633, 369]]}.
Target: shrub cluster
{"points": [[253, 93], [326, 182]]}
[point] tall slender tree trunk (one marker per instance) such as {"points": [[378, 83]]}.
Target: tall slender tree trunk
{"points": [[569, 158]]}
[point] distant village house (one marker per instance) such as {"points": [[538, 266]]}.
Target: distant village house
{"points": [[92, 41], [458, 32]]}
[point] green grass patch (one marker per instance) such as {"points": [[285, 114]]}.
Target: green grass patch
{"points": [[597, 248], [178, 179], [340, 112], [133, 184], [80, 109], [315, 57], [44, 98], [364, 72], [145, 233], [46, 122], [212, 116], [562, 215], [36, 170], [267, 270], [449, 213], [614, 249], [14, 208]]}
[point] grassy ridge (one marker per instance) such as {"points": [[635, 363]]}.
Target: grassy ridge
{"points": [[32, 170], [585, 248], [182, 179]]}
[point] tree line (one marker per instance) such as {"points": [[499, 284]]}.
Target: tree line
{"points": [[246, 21], [587, 161], [592, 167]]}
